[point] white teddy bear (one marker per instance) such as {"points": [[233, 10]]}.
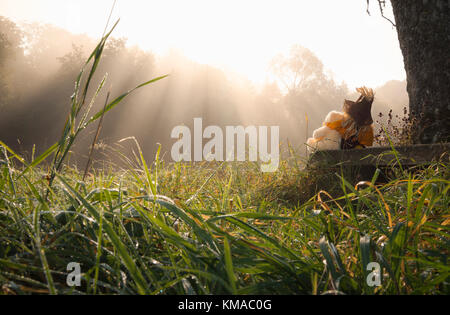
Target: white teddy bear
{"points": [[326, 138]]}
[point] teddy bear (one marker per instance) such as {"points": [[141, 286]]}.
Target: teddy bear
{"points": [[350, 129]]}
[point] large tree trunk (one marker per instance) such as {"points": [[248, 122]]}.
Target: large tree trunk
{"points": [[424, 33]]}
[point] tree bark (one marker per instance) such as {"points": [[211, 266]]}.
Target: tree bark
{"points": [[423, 28]]}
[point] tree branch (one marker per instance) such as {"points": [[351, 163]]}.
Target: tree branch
{"points": [[382, 5]]}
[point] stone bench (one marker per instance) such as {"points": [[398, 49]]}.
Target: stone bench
{"points": [[415, 155]]}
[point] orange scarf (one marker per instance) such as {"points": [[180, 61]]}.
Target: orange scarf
{"points": [[348, 129]]}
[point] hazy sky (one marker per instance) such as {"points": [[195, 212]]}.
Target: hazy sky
{"points": [[239, 35]]}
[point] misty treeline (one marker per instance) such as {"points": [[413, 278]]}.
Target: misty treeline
{"points": [[39, 65]]}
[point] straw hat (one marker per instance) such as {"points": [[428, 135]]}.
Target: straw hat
{"points": [[360, 111]]}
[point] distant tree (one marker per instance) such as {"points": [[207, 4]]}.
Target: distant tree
{"points": [[10, 40], [309, 90], [114, 48], [298, 70], [72, 62], [11, 52]]}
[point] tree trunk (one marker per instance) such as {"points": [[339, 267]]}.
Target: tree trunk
{"points": [[423, 28]]}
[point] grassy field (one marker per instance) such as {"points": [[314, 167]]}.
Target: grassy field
{"points": [[222, 229], [156, 228]]}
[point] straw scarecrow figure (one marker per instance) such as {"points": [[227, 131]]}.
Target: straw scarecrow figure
{"points": [[350, 129]]}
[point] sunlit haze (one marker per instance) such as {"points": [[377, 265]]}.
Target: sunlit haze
{"points": [[239, 36]]}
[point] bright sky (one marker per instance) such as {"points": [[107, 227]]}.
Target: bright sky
{"points": [[239, 35]]}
